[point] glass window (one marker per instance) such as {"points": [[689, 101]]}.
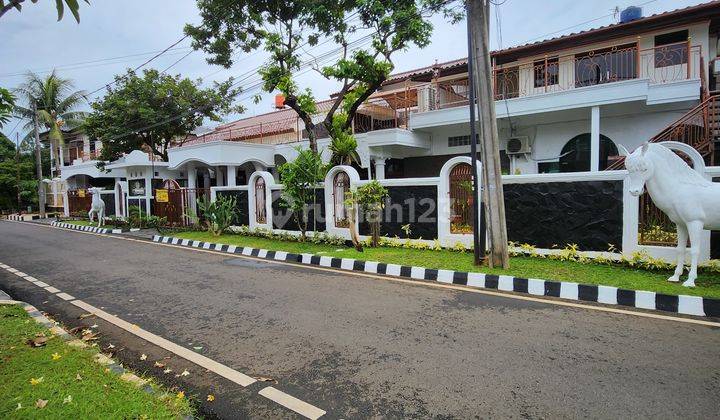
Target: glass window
{"points": [[575, 155], [551, 72], [671, 49]]}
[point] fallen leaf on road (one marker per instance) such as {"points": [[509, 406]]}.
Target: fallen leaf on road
{"points": [[166, 371], [83, 316], [41, 403], [180, 395], [143, 356], [110, 346], [264, 379], [67, 399], [35, 381], [89, 337], [198, 348], [94, 326], [211, 398], [56, 356], [159, 365], [184, 373]]}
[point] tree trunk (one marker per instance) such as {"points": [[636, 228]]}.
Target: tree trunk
{"points": [[478, 13], [38, 163]]}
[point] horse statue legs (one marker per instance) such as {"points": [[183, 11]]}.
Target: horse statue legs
{"points": [[694, 231]]}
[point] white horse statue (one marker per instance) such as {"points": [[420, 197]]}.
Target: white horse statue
{"points": [[98, 206], [689, 200]]}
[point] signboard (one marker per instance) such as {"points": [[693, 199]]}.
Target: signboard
{"points": [[161, 196], [81, 193]]}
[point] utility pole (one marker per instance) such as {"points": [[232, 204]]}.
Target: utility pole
{"points": [[479, 229], [17, 170], [493, 198], [38, 163]]}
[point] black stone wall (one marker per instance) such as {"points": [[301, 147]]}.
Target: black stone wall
{"points": [[241, 204], [414, 205], [109, 200], [283, 218], [588, 214]]}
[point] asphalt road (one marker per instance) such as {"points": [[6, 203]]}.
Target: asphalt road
{"points": [[367, 348]]}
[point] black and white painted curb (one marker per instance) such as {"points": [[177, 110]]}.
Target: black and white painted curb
{"points": [[93, 229], [22, 217], [688, 305]]}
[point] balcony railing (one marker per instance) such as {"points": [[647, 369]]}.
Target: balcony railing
{"points": [[664, 64], [377, 114]]}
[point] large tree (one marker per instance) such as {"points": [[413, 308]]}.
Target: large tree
{"points": [[154, 110], [17, 171], [7, 105], [72, 5], [56, 102], [285, 28]]}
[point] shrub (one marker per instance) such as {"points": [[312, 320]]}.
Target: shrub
{"points": [[371, 199], [218, 214], [300, 178]]}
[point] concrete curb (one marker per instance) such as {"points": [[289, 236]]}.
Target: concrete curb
{"points": [[22, 217], [682, 304], [92, 229]]}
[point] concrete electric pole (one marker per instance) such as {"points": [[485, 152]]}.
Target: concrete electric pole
{"points": [[38, 163], [478, 12]]}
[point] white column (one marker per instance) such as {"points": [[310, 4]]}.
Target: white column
{"points": [[595, 139], [231, 175], [148, 193], [192, 176], [219, 181], [380, 168]]}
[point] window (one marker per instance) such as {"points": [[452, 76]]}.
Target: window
{"points": [[671, 49], [606, 65], [507, 83], [457, 141], [551, 71], [548, 167], [575, 155], [260, 212], [341, 186]]}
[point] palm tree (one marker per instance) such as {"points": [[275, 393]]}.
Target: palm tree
{"points": [[56, 102]]}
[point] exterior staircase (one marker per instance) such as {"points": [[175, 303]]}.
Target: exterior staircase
{"points": [[699, 128]]}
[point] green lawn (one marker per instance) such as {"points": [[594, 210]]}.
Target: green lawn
{"points": [[708, 284], [67, 377], [80, 222]]}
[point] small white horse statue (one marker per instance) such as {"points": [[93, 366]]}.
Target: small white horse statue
{"points": [[689, 200], [98, 206]]}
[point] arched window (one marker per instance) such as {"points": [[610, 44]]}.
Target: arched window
{"points": [[461, 198], [341, 185], [260, 213], [575, 155]]}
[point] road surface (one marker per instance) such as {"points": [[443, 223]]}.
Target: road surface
{"points": [[362, 347]]}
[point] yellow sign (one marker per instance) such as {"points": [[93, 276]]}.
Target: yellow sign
{"points": [[81, 193], [161, 196]]}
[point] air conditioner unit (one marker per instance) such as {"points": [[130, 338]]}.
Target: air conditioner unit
{"points": [[518, 146]]}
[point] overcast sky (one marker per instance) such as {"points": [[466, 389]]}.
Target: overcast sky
{"points": [[135, 29]]}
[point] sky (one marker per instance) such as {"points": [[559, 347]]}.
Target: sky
{"points": [[131, 31]]}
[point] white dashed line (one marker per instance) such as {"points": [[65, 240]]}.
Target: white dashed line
{"points": [[294, 404], [42, 284], [65, 296], [52, 289], [198, 359]]}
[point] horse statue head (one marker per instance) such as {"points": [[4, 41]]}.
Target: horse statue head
{"points": [[640, 168]]}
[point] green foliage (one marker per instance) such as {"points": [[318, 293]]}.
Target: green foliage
{"points": [[154, 110], [22, 166], [139, 219], [343, 144], [219, 214], [300, 178], [284, 28], [7, 104], [371, 199], [72, 5], [315, 237]]}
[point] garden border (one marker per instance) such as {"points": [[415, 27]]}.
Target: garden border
{"points": [[92, 229], [681, 304]]}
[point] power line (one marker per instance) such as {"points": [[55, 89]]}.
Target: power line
{"points": [[80, 64]]}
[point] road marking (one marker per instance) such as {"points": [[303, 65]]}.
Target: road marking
{"points": [[41, 284], [65, 296], [198, 359], [547, 301], [294, 404], [52, 289]]}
